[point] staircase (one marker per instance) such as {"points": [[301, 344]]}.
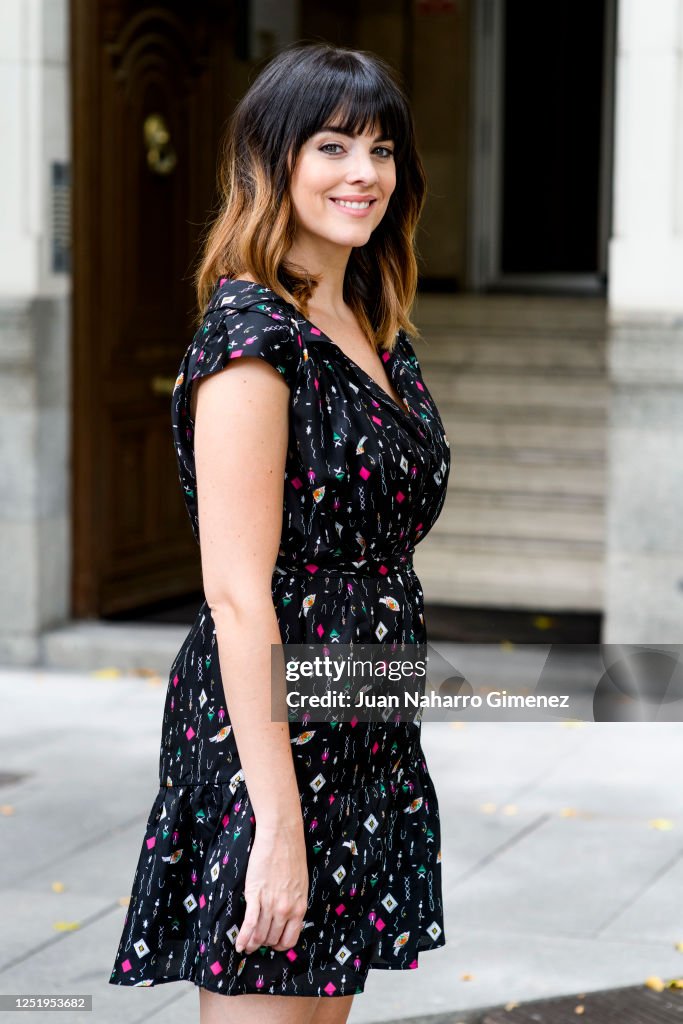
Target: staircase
{"points": [[520, 382]]}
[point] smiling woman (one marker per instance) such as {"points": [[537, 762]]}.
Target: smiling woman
{"points": [[347, 109], [280, 859]]}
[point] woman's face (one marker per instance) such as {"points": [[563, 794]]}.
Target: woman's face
{"points": [[341, 185]]}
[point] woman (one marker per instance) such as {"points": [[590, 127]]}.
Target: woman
{"points": [[283, 861]]}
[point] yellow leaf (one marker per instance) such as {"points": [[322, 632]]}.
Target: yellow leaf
{"points": [[654, 983], [124, 901], [457, 725], [676, 983], [66, 926], [663, 824], [105, 673], [543, 622], [6, 809], [487, 808], [579, 1009], [568, 812], [510, 809], [466, 977], [511, 1005], [58, 886], [507, 645], [679, 947]]}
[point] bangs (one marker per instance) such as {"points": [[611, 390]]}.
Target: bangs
{"points": [[354, 99]]}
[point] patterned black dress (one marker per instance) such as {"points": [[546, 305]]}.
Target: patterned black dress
{"points": [[365, 481]]}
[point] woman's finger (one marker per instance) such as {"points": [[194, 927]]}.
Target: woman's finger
{"points": [[291, 933], [275, 931], [251, 919]]}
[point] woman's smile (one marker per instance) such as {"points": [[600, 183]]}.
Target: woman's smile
{"points": [[354, 207]]}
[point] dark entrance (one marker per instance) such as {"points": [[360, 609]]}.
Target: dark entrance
{"points": [[552, 114]]}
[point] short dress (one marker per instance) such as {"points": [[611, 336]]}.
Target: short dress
{"points": [[365, 481]]}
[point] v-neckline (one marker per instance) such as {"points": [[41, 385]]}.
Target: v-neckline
{"points": [[316, 332], [367, 377]]}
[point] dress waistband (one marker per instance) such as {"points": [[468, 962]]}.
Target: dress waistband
{"points": [[364, 567]]}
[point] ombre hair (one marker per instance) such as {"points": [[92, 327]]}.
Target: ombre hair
{"points": [[301, 90]]}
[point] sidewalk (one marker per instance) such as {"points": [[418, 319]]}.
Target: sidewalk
{"points": [[562, 853]]}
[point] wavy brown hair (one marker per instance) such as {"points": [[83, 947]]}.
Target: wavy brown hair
{"points": [[305, 87]]}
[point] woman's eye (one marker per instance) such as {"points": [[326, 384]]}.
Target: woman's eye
{"points": [[385, 155]]}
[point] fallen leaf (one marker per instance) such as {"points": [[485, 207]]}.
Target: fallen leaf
{"points": [[679, 947], [568, 812], [487, 808], [58, 886], [105, 673], [66, 926], [124, 901], [654, 983], [507, 645], [511, 1005], [6, 809], [543, 622], [663, 824], [510, 809], [676, 983], [466, 977]]}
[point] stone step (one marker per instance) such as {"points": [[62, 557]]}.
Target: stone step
{"points": [[500, 574], [504, 434], [510, 314], [537, 415], [449, 387], [514, 516], [471, 351], [536, 474]]}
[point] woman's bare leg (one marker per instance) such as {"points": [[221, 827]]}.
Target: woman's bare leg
{"points": [[254, 1009], [334, 1010]]}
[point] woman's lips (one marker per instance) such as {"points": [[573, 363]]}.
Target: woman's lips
{"points": [[353, 211]]}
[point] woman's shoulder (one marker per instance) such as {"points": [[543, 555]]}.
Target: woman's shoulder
{"points": [[243, 319], [239, 295]]}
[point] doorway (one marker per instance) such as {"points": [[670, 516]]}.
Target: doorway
{"points": [[542, 124]]}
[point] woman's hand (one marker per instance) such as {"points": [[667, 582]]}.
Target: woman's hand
{"points": [[276, 888]]}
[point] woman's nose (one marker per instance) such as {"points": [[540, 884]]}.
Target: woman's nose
{"points": [[362, 169]]}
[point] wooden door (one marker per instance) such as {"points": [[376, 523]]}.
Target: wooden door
{"points": [[139, 207]]}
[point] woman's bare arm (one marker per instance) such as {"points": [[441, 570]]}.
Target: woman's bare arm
{"points": [[240, 450]]}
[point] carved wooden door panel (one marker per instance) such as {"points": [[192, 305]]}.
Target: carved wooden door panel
{"points": [[152, 87]]}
